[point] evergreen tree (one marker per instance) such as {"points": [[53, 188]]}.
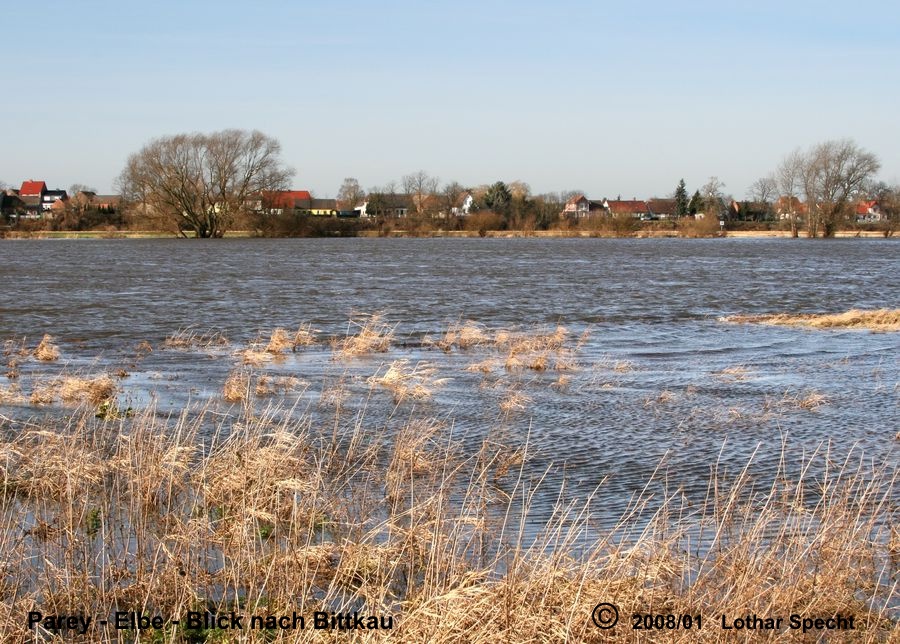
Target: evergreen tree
{"points": [[498, 198], [681, 200], [696, 204]]}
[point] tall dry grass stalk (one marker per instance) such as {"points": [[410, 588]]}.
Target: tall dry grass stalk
{"points": [[874, 320], [371, 336], [268, 516]]}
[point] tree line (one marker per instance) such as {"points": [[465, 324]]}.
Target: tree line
{"points": [[201, 184]]}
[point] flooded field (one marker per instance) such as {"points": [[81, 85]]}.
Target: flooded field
{"points": [[603, 372], [646, 370]]}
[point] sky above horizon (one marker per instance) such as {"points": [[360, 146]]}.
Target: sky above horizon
{"points": [[621, 99]]}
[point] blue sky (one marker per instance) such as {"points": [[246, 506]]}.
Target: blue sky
{"points": [[622, 98]]}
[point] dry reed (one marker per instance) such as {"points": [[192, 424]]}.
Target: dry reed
{"points": [[372, 336], [873, 320], [403, 381], [237, 386], [46, 351], [142, 514], [74, 390]]}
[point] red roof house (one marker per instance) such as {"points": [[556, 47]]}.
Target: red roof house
{"points": [[32, 188]]}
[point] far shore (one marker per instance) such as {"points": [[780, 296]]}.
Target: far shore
{"points": [[508, 234]]}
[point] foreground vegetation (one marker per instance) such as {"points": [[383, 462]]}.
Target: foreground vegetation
{"points": [[274, 511], [270, 517]]}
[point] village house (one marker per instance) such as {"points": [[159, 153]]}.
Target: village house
{"points": [[869, 211], [580, 206], [51, 198], [31, 193], [386, 205], [790, 207], [277, 202], [463, 205], [320, 208], [662, 208], [634, 208]]}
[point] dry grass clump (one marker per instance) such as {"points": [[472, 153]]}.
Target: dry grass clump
{"points": [[304, 336], [281, 340], [514, 400], [484, 366], [810, 401], [12, 368], [874, 320], [11, 395], [373, 336], [462, 336], [264, 516], [93, 390], [189, 338], [237, 386], [531, 342], [271, 385], [403, 381], [45, 350], [74, 390]]}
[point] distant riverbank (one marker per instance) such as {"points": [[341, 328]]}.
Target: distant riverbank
{"points": [[641, 234]]}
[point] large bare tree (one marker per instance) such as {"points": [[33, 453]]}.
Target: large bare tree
{"points": [[201, 182], [833, 174]]}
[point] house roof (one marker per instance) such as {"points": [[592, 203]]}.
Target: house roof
{"points": [[619, 207], [574, 200], [323, 204], [31, 188], [285, 198], [864, 207], [662, 206]]}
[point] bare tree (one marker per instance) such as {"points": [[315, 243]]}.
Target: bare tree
{"points": [[350, 194], [789, 180], [764, 190], [834, 172], [889, 202], [713, 198], [452, 194], [201, 182], [420, 187]]}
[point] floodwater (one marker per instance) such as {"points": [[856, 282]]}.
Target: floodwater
{"points": [[655, 378]]}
